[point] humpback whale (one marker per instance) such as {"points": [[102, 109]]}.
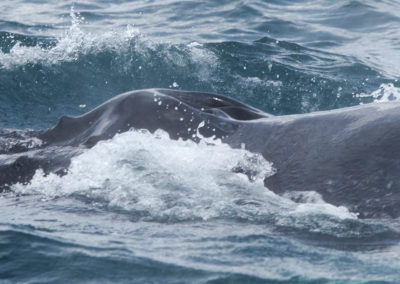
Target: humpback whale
{"points": [[349, 156]]}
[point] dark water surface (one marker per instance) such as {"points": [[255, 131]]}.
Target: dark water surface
{"points": [[133, 210]]}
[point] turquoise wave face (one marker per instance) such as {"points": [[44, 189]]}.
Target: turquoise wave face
{"points": [[48, 70]]}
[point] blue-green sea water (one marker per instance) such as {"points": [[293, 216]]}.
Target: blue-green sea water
{"points": [[141, 208]]}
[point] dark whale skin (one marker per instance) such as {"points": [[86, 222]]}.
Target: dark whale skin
{"points": [[350, 156]]}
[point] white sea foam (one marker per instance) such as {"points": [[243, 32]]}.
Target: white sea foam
{"points": [[385, 93], [70, 45], [159, 179], [11, 138], [126, 43], [264, 83], [151, 174]]}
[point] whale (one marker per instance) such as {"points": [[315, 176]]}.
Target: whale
{"points": [[349, 156]]}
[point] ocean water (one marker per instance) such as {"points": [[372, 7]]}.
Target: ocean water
{"points": [[131, 209]]}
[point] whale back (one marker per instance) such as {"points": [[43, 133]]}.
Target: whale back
{"points": [[349, 156], [172, 111]]}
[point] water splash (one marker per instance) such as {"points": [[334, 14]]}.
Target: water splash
{"points": [[158, 179], [72, 44], [12, 140], [385, 93]]}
